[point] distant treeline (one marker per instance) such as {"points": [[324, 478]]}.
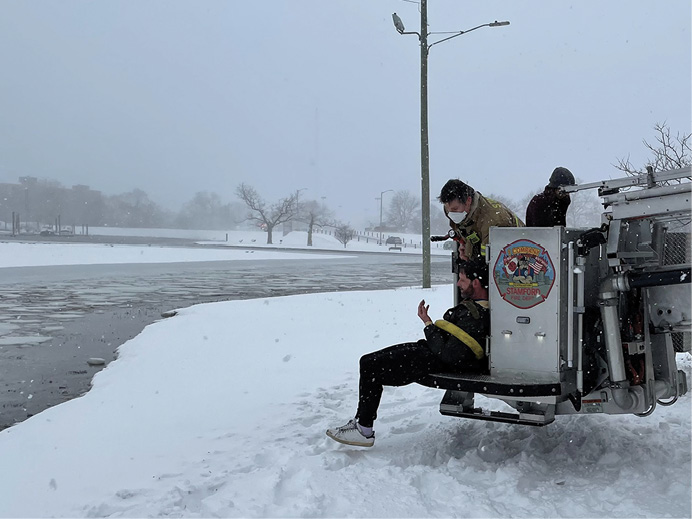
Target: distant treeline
{"points": [[40, 203]]}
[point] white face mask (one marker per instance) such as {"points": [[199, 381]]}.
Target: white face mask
{"points": [[457, 217]]}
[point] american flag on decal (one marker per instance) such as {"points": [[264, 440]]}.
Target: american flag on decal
{"points": [[537, 264]]}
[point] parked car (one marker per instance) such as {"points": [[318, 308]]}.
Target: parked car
{"points": [[394, 243], [46, 232]]}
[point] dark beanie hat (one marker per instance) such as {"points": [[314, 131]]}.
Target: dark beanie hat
{"points": [[561, 177]]}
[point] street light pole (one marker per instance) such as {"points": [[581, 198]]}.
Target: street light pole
{"points": [[425, 157], [297, 199], [424, 151], [298, 195], [381, 197]]}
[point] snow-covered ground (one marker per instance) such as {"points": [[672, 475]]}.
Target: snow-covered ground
{"points": [[19, 254], [367, 242], [221, 411], [34, 254]]}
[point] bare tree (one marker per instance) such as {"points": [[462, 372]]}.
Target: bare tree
{"points": [[585, 209], [206, 211], [439, 223], [134, 209], [267, 216], [344, 233], [315, 214], [524, 202], [668, 152], [518, 208], [403, 211]]}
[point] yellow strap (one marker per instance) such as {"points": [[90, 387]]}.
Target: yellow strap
{"points": [[462, 336]]}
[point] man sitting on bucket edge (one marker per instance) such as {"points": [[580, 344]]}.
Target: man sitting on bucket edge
{"points": [[452, 344]]}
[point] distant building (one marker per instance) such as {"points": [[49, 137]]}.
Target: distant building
{"points": [[41, 202]]}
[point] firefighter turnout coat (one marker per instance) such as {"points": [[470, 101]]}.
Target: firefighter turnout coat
{"points": [[475, 228]]}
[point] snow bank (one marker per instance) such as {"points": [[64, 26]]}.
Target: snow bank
{"points": [[221, 412]]}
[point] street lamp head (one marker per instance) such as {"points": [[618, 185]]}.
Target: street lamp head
{"points": [[497, 24], [398, 24]]}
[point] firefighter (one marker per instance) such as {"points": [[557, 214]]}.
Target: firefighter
{"points": [[471, 215]]}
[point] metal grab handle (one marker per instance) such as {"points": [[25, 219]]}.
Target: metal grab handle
{"points": [[581, 262], [570, 304]]}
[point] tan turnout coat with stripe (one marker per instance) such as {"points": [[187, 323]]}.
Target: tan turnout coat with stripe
{"points": [[484, 214]]}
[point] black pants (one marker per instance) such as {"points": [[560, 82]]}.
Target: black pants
{"points": [[397, 365]]}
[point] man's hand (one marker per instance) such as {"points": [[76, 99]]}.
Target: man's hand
{"points": [[423, 312]]}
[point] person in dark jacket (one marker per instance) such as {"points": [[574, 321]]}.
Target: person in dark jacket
{"points": [[549, 208], [454, 343]]}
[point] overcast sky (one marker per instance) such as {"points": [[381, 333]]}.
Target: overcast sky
{"points": [[175, 97]]}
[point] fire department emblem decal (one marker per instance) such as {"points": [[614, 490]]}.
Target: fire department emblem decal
{"points": [[524, 274]]}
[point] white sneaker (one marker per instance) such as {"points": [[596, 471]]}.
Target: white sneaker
{"points": [[351, 435]]}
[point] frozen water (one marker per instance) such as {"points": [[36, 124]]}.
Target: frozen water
{"points": [[22, 340]]}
